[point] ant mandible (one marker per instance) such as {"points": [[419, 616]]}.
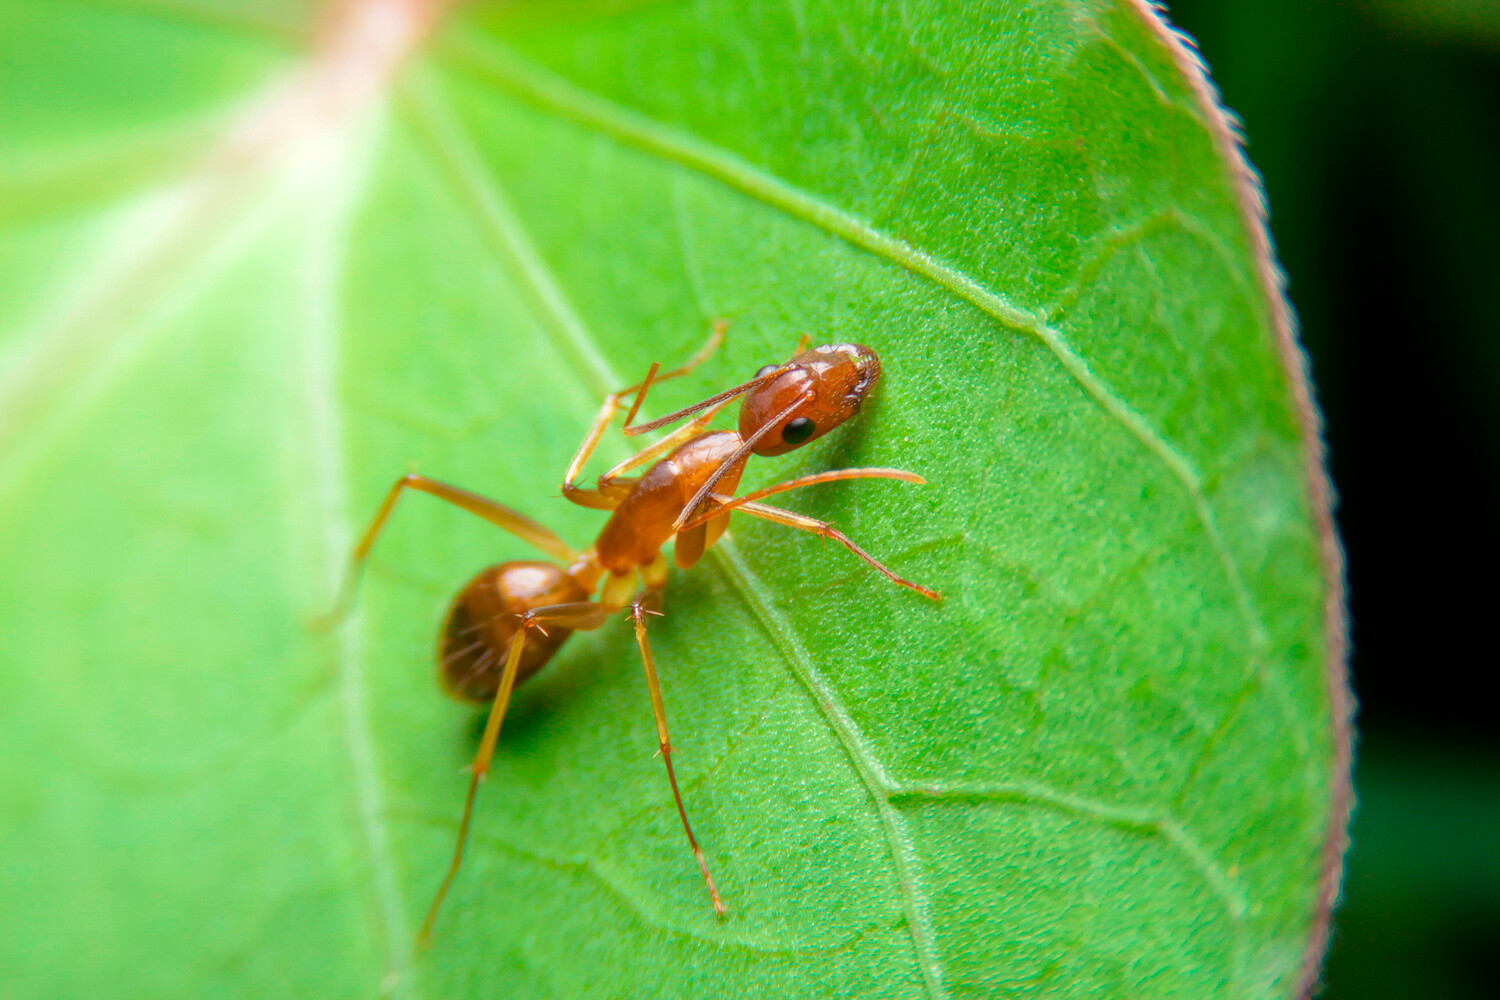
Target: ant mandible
{"points": [[485, 647]]}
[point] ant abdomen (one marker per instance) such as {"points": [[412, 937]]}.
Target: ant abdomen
{"points": [[485, 615], [510, 619]]}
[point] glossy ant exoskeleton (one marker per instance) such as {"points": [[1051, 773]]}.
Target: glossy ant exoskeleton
{"points": [[510, 619]]}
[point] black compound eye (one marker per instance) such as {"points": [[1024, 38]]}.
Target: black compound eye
{"points": [[796, 431], [766, 370]]}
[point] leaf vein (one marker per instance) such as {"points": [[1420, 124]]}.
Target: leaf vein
{"points": [[507, 236], [482, 189], [1136, 819], [632, 897], [866, 765], [532, 83], [319, 359]]}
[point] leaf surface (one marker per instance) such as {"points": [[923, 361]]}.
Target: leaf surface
{"points": [[252, 278]]}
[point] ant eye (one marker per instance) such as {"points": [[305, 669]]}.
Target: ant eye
{"points": [[797, 431], [766, 370]]}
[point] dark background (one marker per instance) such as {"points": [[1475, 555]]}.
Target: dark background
{"points": [[1376, 125]]}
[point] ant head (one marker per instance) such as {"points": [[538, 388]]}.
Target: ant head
{"points": [[838, 377]]}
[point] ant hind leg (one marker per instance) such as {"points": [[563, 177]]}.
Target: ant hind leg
{"points": [[584, 615], [638, 612]]}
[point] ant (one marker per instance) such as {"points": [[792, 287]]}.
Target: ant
{"points": [[486, 645]]}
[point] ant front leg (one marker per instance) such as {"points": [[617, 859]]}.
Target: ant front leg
{"points": [[809, 524], [611, 489], [746, 504]]}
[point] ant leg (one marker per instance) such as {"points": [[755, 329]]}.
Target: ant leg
{"points": [[497, 514], [582, 615], [695, 537], [659, 709], [725, 504], [716, 401], [714, 342], [613, 485], [477, 772], [593, 437], [611, 406], [607, 497], [688, 430], [826, 530]]}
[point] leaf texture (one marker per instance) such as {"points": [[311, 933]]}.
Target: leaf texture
{"points": [[256, 268]]}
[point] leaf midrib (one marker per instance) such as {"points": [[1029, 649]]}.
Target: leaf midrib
{"points": [[775, 193], [331, 487], [532, 84], [559, 319]]}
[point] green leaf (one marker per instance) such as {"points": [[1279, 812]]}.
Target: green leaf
{"points": [[249, 279]]}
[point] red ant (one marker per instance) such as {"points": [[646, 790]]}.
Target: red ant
{"points": [[485, 646]]}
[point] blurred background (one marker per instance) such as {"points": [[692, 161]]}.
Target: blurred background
{"points": [[1376, 125]]}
